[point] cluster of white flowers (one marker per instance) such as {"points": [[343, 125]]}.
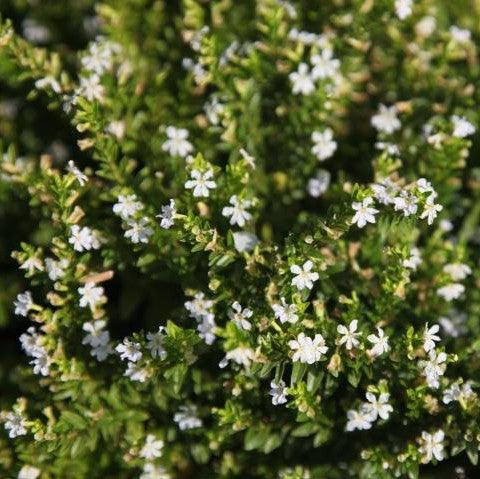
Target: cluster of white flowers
{"points": [[308, 350], [177, 143], [98, 339], [324, 146], [457, 272], [131, 352], [200, 309], [32, 344], [56, 269], [431, 446], [324, 66], [99, 56], [368, 412], [187, 418], [405, 199], [83, 239], [200, 74], [201, 183]]}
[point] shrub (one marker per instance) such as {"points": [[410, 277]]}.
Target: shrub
{"points": [[248, 232]]}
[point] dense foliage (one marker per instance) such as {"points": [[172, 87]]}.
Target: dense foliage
{"points": [[239, 238]]}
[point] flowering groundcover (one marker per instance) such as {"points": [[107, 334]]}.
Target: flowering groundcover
{"points": [[240, 239]]}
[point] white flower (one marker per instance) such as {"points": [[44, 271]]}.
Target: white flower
{"points": [[457, 271], [238, 211], [201, 183], [116, 128], [324, 146], [199, 307], [24, 303], [430, 336], [385, 191], [308, 350], [16, 425], [457, 393], [91, 295], [431, 209], [279, 392], [186, 418], [127, 206], [102, 352], [167, 215], [31, 264], [137, 373], [248, 158], [29, 472], [454, 324], [304, 278], [406, 202], [82, 178], [241, 355], [364, 212], [91, 88], [361, 420], [414, 261], [31, 343], [129, 350], [403, 8], [41, 365], [432, 446], [460, 35], [349, 335], [446, 225], [302, 80], [319, 184], [389, 148], [380, 343], [378, 407], [48, 82], [324, 65], [451, 291], [139, 231], [83, 238], [240, 316], [151, 471], [286, 313], [206, 327], [96, 335], [462, 127], [434, 368], [155, 343], [214, 110], [152, 447], [386, 119], [56, 269], [244, 241], [177, 143]]}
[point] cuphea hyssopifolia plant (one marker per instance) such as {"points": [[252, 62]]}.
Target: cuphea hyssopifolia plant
{"points": [[255, 257]]}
